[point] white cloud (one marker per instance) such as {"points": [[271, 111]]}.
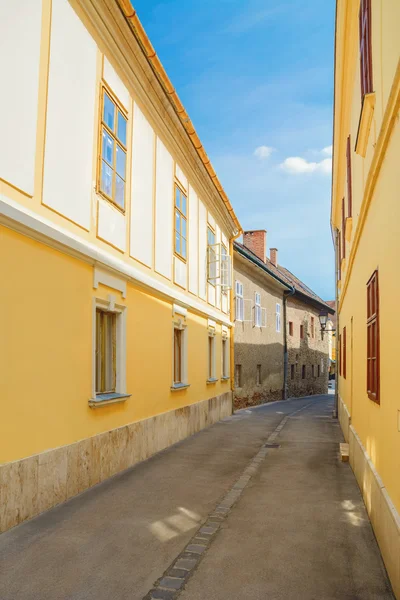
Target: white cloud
{"points": [[327, 150], [263, 152], [297, 165]]}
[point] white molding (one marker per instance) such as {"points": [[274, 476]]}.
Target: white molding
{"points": [[179, 310], [100, 276], [21, 219]]}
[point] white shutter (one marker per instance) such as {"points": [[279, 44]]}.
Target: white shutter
{"points": [[278, 317]]}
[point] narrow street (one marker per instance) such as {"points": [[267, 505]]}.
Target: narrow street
{"points": [[219, 515]]}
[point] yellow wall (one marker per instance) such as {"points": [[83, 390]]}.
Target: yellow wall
{"points": [[375, 239], [46, 352]]}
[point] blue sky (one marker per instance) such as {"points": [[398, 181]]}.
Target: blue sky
{"points": [[256, 78]]}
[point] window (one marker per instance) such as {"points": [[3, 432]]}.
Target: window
{"points": [[212, 256], [340, 354], [365, 47], [106, 334], [238, 376], [113, 151], [318, 371], [211, 356], [290, 327], [312, 327], [180, 223], [178, 355], [291, 371], [339, 257], [344, 362], [278, 317], [257, 310], [349, 196], [373, 343], [225, 356], [239, 301], [312, 371], [258, 375], [225, 270], [301, 332], [303, 371], [343, 246]]}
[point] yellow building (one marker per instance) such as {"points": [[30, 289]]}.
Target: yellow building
{"points": [[365, 221], [115, 253]]}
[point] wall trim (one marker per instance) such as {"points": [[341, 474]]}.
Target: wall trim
{"points": [[23, 220]]}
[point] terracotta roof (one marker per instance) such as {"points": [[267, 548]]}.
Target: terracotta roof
{"points": [[286, 277]]}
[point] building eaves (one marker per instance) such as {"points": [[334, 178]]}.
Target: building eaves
{"points": [[250, 256], [159, 71]]}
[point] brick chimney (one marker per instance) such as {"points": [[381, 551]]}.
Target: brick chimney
{"points": [[256, 241], [274, 256]]}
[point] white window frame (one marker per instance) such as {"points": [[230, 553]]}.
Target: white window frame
{"points": [[219, 265], [225, 355], [211, 347], [110, 305], [239, 301], [278, 317], [179, 322]]}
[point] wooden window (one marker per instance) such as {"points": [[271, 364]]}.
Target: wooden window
{"points": [[339, 257], [178, 355], [278, 317], [225, 357], [340, 354], [113, 142], [258, 375], [343, 230], [344, 361], [349, 186], [303, 371], [312, 327], [290, 327], [180, 223], [301, 332], [211, 356], [239, 301], [373, 342], [106, 342], [238, 376], [291, 371], [365, 47]]}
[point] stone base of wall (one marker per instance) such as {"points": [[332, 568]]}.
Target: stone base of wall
{"points": [[384, 517], [255, 398], [32, 485]]}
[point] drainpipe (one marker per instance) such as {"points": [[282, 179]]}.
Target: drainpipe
{"points": [[337, 259], [285, 350], [231, 312]]}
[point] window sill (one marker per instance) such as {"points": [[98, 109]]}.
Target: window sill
{"points": [[227, 378], [212, 380], [106, 399], [179, 386], [364, 126]]}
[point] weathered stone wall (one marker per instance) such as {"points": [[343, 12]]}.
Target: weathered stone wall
{"points": [[32, 485], [255, 345], [311, 351]]}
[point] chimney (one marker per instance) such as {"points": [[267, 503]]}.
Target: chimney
{"points": [[256, 241], [273, 253]]}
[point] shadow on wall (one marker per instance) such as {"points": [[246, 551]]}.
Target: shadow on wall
{"points": [[258, 374]]}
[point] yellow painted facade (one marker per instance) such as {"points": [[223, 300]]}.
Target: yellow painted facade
{"points": [[65, 249], [372, 243]]}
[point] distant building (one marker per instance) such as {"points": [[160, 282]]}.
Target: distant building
{"points": [[365, 220], [279, 349], [331, 332]]}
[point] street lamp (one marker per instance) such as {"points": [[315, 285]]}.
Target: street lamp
{"points": [[323, 319]]}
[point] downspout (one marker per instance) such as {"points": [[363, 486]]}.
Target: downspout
{"points": [[231, 312], [285, 350], [335, 413]]}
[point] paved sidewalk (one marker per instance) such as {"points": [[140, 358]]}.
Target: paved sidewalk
{"points": [[290, 523]]}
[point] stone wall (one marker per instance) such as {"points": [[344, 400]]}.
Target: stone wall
{"points": [[258, 345], [32, 485], [310, 352]]}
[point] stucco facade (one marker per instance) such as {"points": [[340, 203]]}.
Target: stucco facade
{"points": [[365, 216], [258, 350]]}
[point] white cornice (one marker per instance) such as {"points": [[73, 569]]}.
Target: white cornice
{"points": [[25, 221]]}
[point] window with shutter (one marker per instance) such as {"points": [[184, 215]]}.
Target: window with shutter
{"points": [[239, 301], [278, 317], [349, 196], [365, 47], [257, 310], [373, 374], [344, 362], [340, 354]]}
